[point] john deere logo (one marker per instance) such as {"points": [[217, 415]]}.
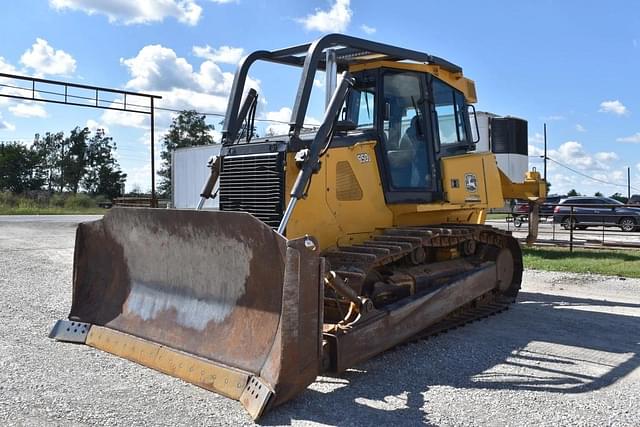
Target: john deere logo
{"points": [[470, 182]]}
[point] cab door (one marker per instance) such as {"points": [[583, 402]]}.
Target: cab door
{"points": [[408, 167]]}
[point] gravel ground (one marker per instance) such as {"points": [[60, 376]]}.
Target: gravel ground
{"points": [[566, 354]]}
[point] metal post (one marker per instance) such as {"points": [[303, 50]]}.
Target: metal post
{"points": [[571, 230], [330, 76], [154, 200], [545, 151], [628, 184]]}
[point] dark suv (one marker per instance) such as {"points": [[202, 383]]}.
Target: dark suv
{"points": [[596, 211], [635, 199], [546, 209]]}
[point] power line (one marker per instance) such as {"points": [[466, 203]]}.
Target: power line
{"points": [[588, 176]]}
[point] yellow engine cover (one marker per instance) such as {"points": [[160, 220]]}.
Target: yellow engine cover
{"points": [[346, 204]]}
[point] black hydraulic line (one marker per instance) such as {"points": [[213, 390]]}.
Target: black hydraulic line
{"points": [[234, 127]]}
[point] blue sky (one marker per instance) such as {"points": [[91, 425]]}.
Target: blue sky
{"points": [[572, 64]]}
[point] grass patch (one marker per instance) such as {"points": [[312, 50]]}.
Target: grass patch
{"points": [[607, 262], [43, 203], [34, 210]]}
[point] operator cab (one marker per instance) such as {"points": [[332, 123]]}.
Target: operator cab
{"points": [[418, 120]]}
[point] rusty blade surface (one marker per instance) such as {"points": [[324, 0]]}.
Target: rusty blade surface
{"points": [[218, 285]]}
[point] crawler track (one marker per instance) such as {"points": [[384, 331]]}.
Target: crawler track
{"points": [[396, 248]]}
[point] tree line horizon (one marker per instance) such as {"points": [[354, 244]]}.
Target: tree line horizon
{"points": [[85, 161]]}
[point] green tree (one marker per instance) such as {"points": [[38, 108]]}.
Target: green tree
{"points": [[573, 192], [187, 129], [17, 168], [47, 149], [619, 197], [598, 194], [73, 159], [103, 174]]}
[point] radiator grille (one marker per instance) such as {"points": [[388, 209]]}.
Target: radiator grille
{"points": [[254, 184]]}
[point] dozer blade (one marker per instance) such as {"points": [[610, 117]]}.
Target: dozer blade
{"points": [[216, 298]]}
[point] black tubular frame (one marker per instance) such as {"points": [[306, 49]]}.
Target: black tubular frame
{"points": [[310, 56]]}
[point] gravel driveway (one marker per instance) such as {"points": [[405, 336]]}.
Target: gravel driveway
{"points": [[566, 354]]}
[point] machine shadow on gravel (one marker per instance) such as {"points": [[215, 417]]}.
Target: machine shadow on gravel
{"points": [[391, 390]]}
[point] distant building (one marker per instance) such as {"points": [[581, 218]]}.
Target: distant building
{"points": [[189, 173]]}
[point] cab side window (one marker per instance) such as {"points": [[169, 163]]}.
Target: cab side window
{"points": [[449, 112], [404, 131]]}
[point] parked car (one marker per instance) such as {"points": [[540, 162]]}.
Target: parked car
{"points": [[520, 211], [547, 208], [596, 211], [635, 199]]}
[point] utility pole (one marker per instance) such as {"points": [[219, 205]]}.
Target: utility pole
{"points": [[62, 166], [628, 184], [154, 199], [545, 152]]}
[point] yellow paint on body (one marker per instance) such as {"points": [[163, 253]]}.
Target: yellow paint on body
{"points": [[457, 80], [336, 222]]}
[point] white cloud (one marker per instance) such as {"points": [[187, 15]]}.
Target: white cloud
{"points": [[25, 109], [554, 118], [5, 67], [572, 153], [638, 166], [580, 128], [121, 118], [44, 59], [617, 176], [606, 156], [282, 115], [319, 83], [367, 29], [135, 12], [535, 151], [336, 19], [224, 54], [6, 125], [159, 70], [537, 138], [139, 177], [613, 107], [632, 139], [94, 126], [603, 165]]}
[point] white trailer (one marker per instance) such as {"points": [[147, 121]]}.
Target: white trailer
{"points": [[189, 172], [507, 138]]}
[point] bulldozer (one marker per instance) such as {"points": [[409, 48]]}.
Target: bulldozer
{"points": [[330, 245]]}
